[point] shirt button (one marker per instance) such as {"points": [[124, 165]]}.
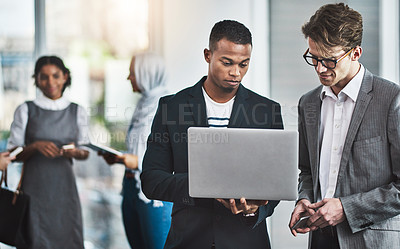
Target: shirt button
{"points": [[337, 125], [338, 103]]}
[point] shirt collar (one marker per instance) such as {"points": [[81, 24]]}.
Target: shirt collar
{"points": [[214, 102], [350, 90], [49, 104]]}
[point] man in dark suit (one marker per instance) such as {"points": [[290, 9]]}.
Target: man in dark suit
{"points": [[349, 133], [217, 100]]}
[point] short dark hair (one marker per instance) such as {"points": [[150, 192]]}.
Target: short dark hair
{"points": [[52, 60], [335, 25], [231, 30]]}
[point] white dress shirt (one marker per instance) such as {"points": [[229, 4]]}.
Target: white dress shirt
{"points": [[18, 126], [336, 113]]}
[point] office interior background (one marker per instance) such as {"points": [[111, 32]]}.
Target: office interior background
{"points": [[96, 39]]}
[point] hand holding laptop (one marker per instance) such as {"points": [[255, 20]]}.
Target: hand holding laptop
{"points": [[246, 207]]}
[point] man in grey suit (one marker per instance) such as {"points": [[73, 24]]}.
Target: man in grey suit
{"points": [[349, 133]]}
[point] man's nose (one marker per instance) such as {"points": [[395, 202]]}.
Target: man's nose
{"points": [[235, 71], [320, 68]]}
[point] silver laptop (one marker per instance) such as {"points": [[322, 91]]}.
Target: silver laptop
{"points": [[258, 164]]}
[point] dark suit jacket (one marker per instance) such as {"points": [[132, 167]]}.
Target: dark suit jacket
{"points": [[196, 223], [368, 182]]}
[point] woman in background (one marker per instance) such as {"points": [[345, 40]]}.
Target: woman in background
{"points": [[146, 222], [44, 126]]}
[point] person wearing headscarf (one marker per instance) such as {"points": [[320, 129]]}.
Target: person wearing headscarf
{"points": [[146, 222]]}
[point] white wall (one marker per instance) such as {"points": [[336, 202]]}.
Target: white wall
{"points": [[389, 39], [180, 30]]}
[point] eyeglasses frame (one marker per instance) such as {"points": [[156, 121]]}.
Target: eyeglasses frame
{"points": [[305, 56]]}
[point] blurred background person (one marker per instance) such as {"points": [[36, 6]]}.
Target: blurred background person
{"points": [[146, 222], [44, 126]]}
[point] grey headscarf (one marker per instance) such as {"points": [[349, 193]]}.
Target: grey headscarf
{"points": [[151, 80], [150, 72]]}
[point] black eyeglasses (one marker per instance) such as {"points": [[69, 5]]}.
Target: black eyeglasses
{"points": [[328, 63]]}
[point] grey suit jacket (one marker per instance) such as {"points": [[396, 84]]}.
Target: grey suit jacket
{"points": [[368, 183]]}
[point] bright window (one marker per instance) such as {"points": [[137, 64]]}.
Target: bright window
{"points": [[96, 39]]}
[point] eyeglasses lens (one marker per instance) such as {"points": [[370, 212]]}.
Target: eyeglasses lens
{"points": [[326, 62]]}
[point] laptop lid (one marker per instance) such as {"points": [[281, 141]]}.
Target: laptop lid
{"points": [[258, 164]]}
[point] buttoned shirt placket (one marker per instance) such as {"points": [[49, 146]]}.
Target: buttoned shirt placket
{"points": [[337, 145]]}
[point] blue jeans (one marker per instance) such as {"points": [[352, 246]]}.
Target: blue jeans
{"points": [[146, 226]]}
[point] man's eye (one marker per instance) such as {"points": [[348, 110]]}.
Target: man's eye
{"points": [[226, 63], [43, 77], [243, 65], [56, 76], [329, 62]]}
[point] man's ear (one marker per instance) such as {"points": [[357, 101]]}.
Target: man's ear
{"points": [[207, 55], [357, 53]]}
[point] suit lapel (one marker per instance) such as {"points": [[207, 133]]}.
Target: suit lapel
{"points": [[198, 107], [363, 99], [240, 109], [197, 104], [312, 114]]}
